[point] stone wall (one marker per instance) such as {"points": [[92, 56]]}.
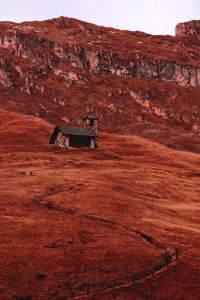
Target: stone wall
{"points": [[62, 141]]}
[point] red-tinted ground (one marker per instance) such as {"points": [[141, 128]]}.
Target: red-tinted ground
{"points": [[75, 216], [136, 83], [58, 208], [19, 129]]}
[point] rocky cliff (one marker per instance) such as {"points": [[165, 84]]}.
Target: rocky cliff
{"points": [[188, 29], [61, 68]]}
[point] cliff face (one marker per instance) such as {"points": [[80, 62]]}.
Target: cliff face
{"points": [[189, 29], [61, 68], [121, 53]]}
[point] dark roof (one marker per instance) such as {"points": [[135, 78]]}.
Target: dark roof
{"points": [[79, 131], [90, 116]]}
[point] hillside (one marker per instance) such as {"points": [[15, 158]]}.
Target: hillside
{"points": [[70, 217], [19, 129], [137, 83]]}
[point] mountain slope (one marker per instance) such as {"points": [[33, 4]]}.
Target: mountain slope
{"points": [[69, 216], [73, 216], [138, 83], [18, 129]]}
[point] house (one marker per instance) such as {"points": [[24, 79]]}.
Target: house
{"points": [[68, 136]]}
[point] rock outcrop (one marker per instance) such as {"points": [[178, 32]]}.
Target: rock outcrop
{"points": [[63, 67], [188, 29], [49, 54]]}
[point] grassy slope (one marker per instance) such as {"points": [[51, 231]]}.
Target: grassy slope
{"points": [[48, 196], [19, 129]]}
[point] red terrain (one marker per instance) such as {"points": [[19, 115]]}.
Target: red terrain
{"points": [[73, 216]]}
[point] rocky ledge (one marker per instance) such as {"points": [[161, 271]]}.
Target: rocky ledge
{"points": [[188, 29]]}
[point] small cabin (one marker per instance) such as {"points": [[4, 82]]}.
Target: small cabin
{"points": [[76, 137]]}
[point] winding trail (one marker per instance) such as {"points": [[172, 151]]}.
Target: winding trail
{"points": [[167, 257]]}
